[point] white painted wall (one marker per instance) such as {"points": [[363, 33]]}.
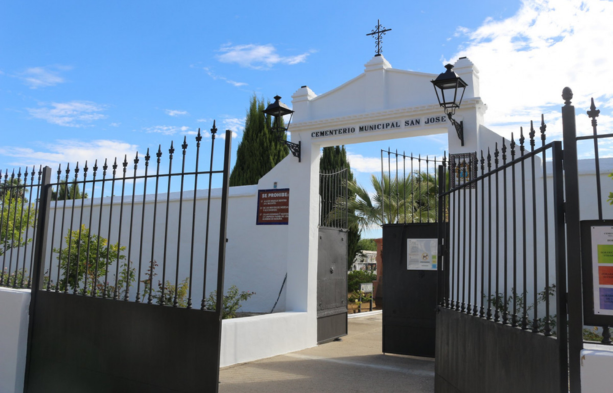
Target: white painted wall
{"points": [[14, 304], [596, 366], [255, 261]]}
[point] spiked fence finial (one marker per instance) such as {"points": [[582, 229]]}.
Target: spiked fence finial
{"points": [[543, 129], [593, 113], [214, 129]]}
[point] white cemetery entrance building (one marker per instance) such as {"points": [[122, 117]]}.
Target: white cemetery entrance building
{"points": [[382, 103]]}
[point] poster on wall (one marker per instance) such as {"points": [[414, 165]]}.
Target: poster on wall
{"points": [[421, 254], [602, 269], [273, 207]]}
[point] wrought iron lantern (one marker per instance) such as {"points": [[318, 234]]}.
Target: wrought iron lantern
{"points": [[452, 89], [277, 110]]}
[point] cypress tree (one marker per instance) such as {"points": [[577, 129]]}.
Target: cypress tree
{"points": [[335, 158], [260, 150], [64, 193]]}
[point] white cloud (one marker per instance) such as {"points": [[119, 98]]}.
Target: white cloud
{"points": [[167, 130], [257, 56], [203, 133], [223, 78], [70, 151], [362, 164], [36, 77], [526, 60], [235, 124], [359, 163], [175, 113], [222, 135], [69, 114], [115, 124]]}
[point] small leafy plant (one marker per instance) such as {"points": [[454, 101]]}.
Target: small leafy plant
{"points": [[355, 297], [86, 262], [231, 301], [506, 305]]}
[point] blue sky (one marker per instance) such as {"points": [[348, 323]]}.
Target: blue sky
{"points": [[84, 80]]}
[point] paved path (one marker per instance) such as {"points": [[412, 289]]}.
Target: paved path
{"points": [[355, 364]]}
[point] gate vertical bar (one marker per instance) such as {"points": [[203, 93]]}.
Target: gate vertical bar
{"points": [[573, 241], [441, 234], [560, 262], [223, 220], [39, 260]]}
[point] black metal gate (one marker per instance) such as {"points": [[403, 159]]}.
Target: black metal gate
{"points": [[99, 322], [502, 317], [409, 215], [332, 256]]}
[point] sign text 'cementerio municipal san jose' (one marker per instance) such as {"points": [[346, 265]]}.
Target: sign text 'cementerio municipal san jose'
{"points": [[389, 125]]}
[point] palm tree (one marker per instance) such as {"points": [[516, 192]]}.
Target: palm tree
{"points": [[409, 200]]}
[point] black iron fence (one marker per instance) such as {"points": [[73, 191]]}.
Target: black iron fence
{"points": [[589, 295], [333, 199], [134, 230], [408, 189], [18, 221]]}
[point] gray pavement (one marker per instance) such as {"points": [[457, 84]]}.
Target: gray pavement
{"points": [[355, 364]]}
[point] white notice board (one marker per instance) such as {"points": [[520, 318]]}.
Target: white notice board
{"points": [[602, 269], [421, 254]]}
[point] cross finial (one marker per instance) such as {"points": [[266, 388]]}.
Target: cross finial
{"points": [[379, 32]]}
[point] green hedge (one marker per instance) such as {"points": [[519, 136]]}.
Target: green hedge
{"points": [[357, 277]]}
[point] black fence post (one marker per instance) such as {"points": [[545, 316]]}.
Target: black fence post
{"points": [[40, 252], [573, 242], [560, 262], [223, 224]]}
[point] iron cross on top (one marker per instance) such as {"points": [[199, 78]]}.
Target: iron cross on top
{"points": [[379, 32]]}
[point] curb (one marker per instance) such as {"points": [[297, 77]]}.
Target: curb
{"points": [[364, 314]]}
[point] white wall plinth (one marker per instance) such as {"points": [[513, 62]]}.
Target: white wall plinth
{"points": [[596, 367], [263, 336], [14, 318]]}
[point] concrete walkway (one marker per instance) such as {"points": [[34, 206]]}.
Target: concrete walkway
{"points": [[355, 364]]}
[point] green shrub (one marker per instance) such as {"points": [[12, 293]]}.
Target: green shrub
{"points": [[231, 301], [357, 277]]}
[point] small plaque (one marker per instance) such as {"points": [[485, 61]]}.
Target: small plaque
{"points": [[464, 168], [273, 207], [421, 254], [366, 287]]}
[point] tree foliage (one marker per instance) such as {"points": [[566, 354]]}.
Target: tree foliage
{"points": [[67, 192], [260, 150], [412, 199], [87, 260], [367, 245], [17, 214]]}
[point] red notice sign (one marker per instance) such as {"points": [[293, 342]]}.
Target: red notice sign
{"points": [[273, 207]]}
